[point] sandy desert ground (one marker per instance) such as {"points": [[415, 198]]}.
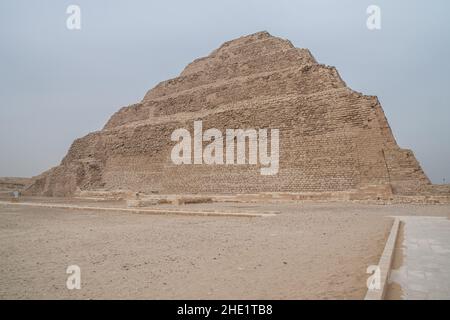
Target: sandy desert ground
{"points": [[308, 251]]}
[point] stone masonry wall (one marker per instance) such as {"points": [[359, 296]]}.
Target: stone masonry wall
{"points": [[331, 137]]}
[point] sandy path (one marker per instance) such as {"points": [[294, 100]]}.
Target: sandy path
{"points": [[308, 251]]}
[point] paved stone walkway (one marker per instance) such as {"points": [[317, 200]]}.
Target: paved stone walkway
{"points": [[425, 270]]}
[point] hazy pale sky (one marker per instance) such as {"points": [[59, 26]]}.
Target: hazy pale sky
{"points": [[57, 85]]}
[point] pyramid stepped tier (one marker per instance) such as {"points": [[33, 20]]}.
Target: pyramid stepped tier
{"points": [[306, 80], [331, 137]]}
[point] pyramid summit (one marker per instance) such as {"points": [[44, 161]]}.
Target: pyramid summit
{"points": [[331, 138]]}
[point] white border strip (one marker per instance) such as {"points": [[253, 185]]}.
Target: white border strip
{"points": [[385, 264]]}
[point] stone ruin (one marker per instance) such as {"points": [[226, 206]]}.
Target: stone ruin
{"points": [[333, 141]]}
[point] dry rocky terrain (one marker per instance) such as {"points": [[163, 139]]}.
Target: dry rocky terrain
{"points": [[310, 250]]}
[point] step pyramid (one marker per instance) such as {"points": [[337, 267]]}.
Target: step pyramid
{"points": [[331, 137]]}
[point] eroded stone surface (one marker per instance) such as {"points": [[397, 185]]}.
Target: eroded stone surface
{"points": [[332, 138]]}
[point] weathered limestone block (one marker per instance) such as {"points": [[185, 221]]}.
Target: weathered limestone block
{"points": [[333, 140]]}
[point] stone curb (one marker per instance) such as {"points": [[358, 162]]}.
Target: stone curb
{"points": [[143, 211], [385, 264]]}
